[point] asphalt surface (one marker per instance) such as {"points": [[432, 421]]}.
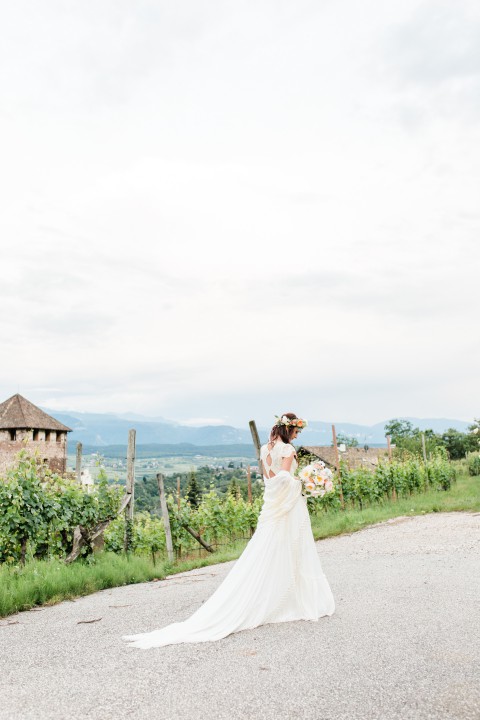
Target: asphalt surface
{"points": [[404, 642]]}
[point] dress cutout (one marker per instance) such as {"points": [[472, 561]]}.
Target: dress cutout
{"points": [[278, 577]]}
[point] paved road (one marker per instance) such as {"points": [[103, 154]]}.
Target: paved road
{"points": [[403, 644]]}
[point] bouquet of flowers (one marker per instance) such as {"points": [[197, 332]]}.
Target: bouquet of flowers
{"points": [[317, 479]]}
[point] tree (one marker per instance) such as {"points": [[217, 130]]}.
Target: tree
{"points": [[409, 439], [475, 426], [194, 494], [234, 489], [456, 443], [348, 440], [400, 430], [474, 436]]}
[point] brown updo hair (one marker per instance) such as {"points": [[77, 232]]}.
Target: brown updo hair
{"points": [[283, 432]]}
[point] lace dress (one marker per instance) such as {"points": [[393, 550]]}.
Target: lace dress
{"points": [[278, 577]]}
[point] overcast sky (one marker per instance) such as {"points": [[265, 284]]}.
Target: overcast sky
{"points": [[221, 210]]}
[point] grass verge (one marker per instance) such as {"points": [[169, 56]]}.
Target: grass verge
{"points": [[463, 496], [49, 582], [42, 582]]}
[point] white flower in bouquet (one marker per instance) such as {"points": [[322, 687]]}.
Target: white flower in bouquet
{"points": [[317, 479]]}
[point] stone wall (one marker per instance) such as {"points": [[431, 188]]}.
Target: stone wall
{"points": [[50, 446]]}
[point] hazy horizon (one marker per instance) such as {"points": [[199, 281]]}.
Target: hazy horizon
{"points": [[203, 422]]}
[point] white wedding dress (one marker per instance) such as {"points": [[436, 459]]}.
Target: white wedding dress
{"points": [[278, 577]]}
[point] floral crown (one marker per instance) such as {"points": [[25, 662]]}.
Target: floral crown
{"points": [[296, 422]]}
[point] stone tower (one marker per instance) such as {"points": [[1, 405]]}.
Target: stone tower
{"points": [[24, 425]]}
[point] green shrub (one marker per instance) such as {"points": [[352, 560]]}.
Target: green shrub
{"points": [[474, 464]]}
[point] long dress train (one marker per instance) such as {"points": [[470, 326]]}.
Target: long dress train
{"points": [[278, 577]]}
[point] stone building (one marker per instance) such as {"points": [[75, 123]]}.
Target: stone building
{"points": [[24, 425], [354, 457]]}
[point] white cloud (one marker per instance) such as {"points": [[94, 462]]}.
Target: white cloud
{"points": [[215, 210]]}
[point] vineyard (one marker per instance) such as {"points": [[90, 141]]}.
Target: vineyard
{"points": [[40, 510], [220, 521]]}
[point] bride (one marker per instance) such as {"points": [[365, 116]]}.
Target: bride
{"points": [[278, 577]]}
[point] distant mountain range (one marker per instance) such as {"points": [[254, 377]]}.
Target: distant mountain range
{"points": [[99, 430]]}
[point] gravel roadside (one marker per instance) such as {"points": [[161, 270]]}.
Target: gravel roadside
{"points": [[404, 642]]}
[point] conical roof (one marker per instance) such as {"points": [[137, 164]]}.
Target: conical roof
{"points": [[18, 412]]}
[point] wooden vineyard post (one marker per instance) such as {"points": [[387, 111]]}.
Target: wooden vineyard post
{"points": [[249, 490], [130, 490], [424, 449], [389, 446], [166, 517], [249, 484], [179, 505], [256, 444], [78, 464], [337, 463]]}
